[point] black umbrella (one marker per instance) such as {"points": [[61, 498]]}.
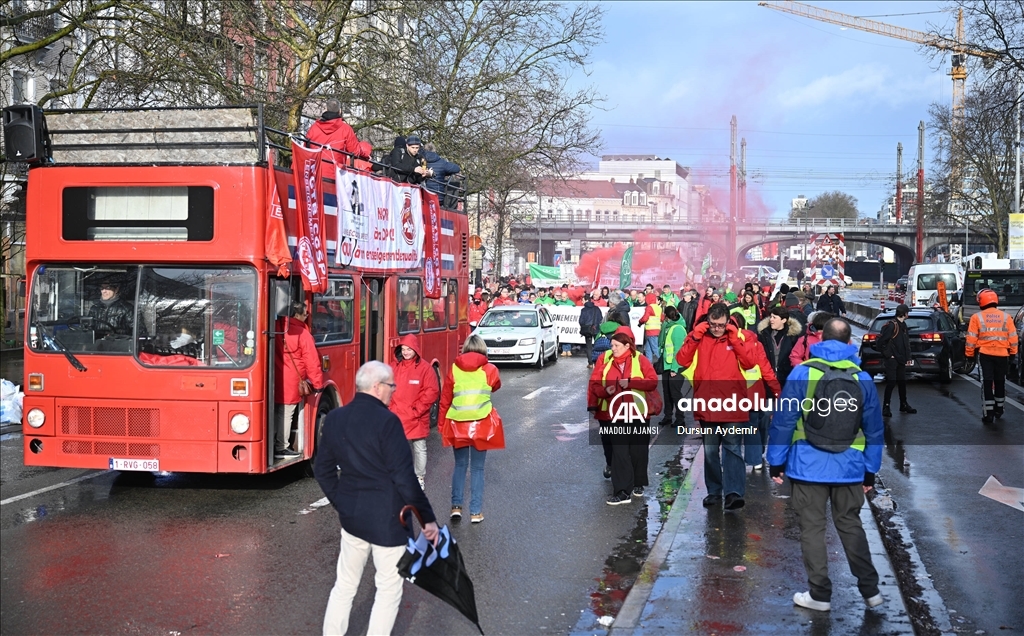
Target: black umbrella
{"points": [[439, 569]]}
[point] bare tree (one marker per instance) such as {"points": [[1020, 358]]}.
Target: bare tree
{"points": [[980, 153], [994, 26], [487, 82], [828, 205]]}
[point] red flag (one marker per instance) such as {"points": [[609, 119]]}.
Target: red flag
{"points": [[431, 245], [309, 209], [276, 240]]}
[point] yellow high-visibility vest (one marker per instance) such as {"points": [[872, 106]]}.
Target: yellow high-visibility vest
{"points": [[654, 322], [634, 372], [471, 396]]}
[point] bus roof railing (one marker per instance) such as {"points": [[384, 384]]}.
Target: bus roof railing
{"points": [[223, 135]]}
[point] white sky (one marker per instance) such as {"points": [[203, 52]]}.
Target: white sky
{"points": [[821, 107]]}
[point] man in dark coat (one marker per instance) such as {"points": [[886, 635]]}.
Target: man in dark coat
{"points": [[688, 309], [778, 333], [831, 302], [111, 313], [441, 168], [590, 320], [408, 165], [618, 308], [364, 466], [894, 344]]}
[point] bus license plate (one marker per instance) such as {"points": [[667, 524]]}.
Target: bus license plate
{"points": [[145, 465]]}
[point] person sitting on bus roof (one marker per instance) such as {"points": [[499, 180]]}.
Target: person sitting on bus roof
{"points": [[441, 168], [409, 166], [112, 315], [331, 130]]}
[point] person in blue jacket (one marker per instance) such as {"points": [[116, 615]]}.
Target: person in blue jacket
{"points": [[442, 170], [818, 475]]}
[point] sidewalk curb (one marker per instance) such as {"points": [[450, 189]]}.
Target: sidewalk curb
{"points": [[884, 512], [628, 617]]}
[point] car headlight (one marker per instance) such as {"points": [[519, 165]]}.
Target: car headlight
{"points": [[527, 341], [239, 423], [35, 418]]}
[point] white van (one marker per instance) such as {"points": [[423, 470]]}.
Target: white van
{"points": [[923, 280]]}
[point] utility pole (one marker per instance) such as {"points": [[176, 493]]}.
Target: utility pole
{"points": [[540, 243], [899, 182], [732, 168], [480, 271], [920, 192], [743, 179]]}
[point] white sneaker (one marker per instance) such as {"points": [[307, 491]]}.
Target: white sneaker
{"points": [[423, 484], [759, 467], [875, 600], [803, 599]]}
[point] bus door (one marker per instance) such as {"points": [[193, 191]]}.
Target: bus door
{"points": [[283, 293], [372, 307]]}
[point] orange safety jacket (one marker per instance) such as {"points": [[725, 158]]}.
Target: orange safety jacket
{"points": [[992, 333]]}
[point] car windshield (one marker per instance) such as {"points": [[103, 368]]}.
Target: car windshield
{"points": [[165, 316], [509, 319], [913, 324], [930, 282]]}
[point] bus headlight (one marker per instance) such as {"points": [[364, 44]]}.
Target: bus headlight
{"points": [[239, 423], [35, 418]]}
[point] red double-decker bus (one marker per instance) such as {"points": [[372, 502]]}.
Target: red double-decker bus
{"points": [[152, 306]]}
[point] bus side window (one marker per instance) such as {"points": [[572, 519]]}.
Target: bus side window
{"points": [[409, 305], [332, 312], [453, 304]]}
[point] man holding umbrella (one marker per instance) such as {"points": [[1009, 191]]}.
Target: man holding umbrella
{"points": [[364, 466]]}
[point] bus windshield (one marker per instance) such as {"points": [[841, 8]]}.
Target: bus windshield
{"points": [[165, 316], [1009, 286]]}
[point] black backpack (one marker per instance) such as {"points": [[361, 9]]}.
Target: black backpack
{"points": [[834, 427], [882, 346]]}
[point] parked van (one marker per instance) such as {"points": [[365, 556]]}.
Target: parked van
{"points": [[923, 279]]}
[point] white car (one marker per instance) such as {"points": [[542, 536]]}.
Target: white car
{"points": [[519, 333]]}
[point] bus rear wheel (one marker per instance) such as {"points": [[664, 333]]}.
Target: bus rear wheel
{"points": [[326, 406]]}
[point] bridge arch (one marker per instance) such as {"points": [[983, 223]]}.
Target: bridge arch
{"points": [[904, 255]]}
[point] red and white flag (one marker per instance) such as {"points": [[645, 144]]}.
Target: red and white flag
{"points": [[311, 237], [431, 245], [276, 238]]}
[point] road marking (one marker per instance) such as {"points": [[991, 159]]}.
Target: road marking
{"points": [[53, 487], [978, 384], [530, 396], [1012, 497], [319, 503]]}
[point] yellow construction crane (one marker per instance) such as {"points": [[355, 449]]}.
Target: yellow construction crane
{"points": [[956, 46]]}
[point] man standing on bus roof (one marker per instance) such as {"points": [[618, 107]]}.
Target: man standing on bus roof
{"points": [[365, 468], [112, 314], [331, 130]]}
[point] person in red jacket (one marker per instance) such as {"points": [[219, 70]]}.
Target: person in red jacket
{"points": [[415, 392], [475, 399], [704, 304], [295, 359], [623, 368], [714, 356], [477, 308], [331, 130], [761, 385]]}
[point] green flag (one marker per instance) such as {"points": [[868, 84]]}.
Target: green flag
{"points": [[545, 276], [706, 265], [626, 269]]}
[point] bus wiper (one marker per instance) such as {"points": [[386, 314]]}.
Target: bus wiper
{"points": [[56, 345]]}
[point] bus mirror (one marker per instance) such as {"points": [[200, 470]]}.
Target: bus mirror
{"points": [[21, 288], [280, 297]]}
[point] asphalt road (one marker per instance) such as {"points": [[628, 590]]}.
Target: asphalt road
{"points": [[935, 463], [127, 553]]}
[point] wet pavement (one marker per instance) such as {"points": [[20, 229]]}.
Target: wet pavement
{"points": [[123, 554], [735, 572]]}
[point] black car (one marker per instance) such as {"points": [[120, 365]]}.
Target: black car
{"points": [[936, 344]]}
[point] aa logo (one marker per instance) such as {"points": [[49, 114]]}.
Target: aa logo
{"points": [[632, 411]]}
